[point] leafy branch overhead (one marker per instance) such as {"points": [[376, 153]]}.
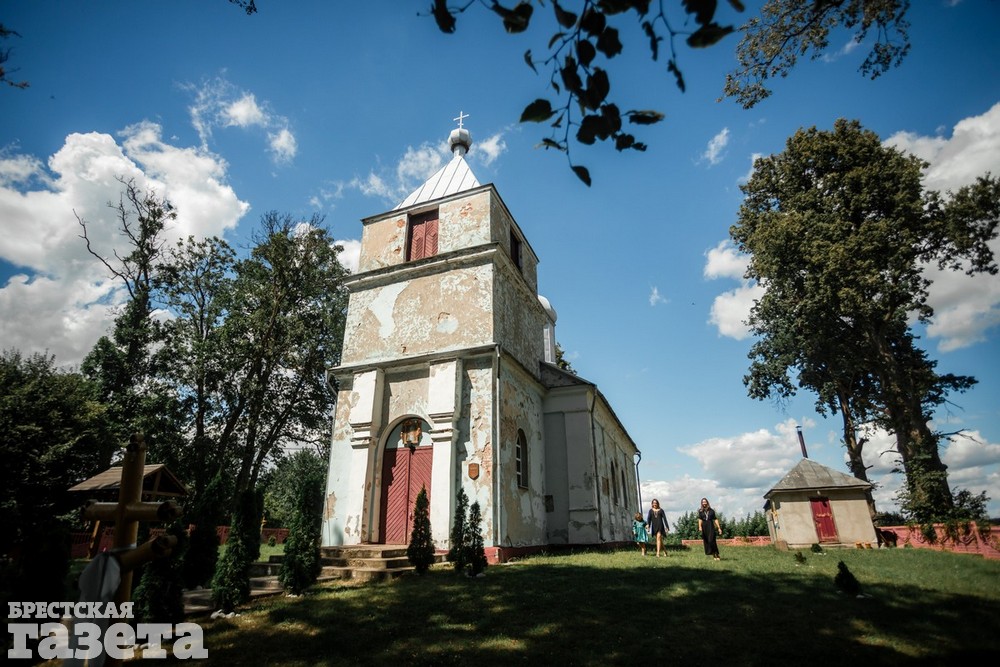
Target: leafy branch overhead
{"points": [[580, 108]]}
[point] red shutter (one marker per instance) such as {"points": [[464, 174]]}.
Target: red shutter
{"points": [[417, 240], [430, 237], [423, 237]]}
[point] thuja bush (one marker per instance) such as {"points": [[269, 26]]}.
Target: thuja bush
{"points": [[474, 549], [455, 553], [202, 554], [420, 551], [301, 565], [231, 584], [159, 597]]}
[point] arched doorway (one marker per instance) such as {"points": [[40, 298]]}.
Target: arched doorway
{"points": [[406, 468]]}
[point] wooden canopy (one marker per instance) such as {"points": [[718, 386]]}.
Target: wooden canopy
{"points": [[157, 482]]}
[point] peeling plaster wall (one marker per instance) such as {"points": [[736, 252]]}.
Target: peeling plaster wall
{"points": [[519, 319], [462, 223], [617, 504], [345, 485], [406, 394], [501, 225], [426, 314], [474, 440], [522, 521]]}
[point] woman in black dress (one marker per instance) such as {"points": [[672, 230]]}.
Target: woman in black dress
{"points": [[709, 526], [656, 519]]}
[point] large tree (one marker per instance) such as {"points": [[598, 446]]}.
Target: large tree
{"points": [[122, 363], [283, 330], [52, 428], [195, 284], [840, 231]]}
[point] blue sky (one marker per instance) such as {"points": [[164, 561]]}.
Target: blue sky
{"points": [[343, 108]]}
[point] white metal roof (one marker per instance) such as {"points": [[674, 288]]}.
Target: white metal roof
{"points": [[452, 178]]}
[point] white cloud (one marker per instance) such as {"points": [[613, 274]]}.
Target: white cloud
{"points": [[489, 149], [283, 145], [737, 471], [725, 261], [244, 112], [219, 104], [713, 152], [730, 310], [970, 450], [965, 307], [413, 168], [66, 300], [655, 297], [350, 257]]}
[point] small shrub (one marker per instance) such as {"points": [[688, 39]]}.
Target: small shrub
{"points": [[816, 548], [420, 551], [455, 553], [301, 565], [475, 551], [271, 541]]}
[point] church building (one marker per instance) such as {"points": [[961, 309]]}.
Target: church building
{"points": [[448, 381]]}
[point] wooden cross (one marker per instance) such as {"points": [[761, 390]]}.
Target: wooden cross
{"points": [[460, 118], [128, 512]]}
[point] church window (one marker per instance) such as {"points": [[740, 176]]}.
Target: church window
{"points": [[515, 249], [423, 236], [521, 459], [614, 483]]}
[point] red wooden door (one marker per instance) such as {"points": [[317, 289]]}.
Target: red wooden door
{"points": [[826, 529], [404, 472]]}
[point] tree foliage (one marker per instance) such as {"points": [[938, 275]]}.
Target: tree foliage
{"points": [[787, 29], [282, 485], [233, 368], [585, 38], [52, 430], [420, 550], [122, 364], [839, 230], [301, 565], [6, 33]]}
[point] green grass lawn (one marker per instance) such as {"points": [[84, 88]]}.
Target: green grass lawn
{"points": [[757, 606]]}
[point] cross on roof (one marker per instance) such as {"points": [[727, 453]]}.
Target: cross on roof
{"points": [[461, 117]]}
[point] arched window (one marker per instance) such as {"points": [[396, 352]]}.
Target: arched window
{"points": [[624, 493], [521, 459]]}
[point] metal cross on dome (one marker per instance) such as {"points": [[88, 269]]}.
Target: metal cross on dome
{"points": [[461, 117]]}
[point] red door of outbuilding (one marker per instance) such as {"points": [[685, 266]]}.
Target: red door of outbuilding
{"points": [[826, 529], [404, 472]]}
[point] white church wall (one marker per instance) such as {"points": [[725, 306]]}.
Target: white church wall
{"points": [[519, 318], [522, 522], [425, 314], [556, 478], [474, 457]]}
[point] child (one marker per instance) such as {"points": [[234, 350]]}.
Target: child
{"points": [[639, 530]]}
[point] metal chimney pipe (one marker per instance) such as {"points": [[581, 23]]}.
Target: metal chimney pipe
{"points": [[802, 442]]}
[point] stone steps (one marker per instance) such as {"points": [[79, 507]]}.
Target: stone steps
{"points": [[359, 563]]}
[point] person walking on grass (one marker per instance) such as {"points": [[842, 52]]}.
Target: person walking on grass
{"points": [[656, 519], [639, 530], [709, 526]]}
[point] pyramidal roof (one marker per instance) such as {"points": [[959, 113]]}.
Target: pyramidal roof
{"points": [[452, 178], [808, 474]]}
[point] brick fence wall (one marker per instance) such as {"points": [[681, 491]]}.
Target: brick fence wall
{"points": [[80, 544], [966, 541]]}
